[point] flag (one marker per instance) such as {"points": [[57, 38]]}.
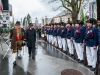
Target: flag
{"points": [[83, 16], [1, 7]]}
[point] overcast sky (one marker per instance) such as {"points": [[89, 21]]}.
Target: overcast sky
{"points": [[36, 8]]}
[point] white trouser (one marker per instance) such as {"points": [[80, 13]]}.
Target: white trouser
{"points": [[59, 42], [52, 40], [91, 56], [70, 46], [49, 38], [63, 43], [79, 50], [14, 56], [55, 41], [19, 52]]}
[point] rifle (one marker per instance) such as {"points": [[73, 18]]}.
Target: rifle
{"points": [[98, 61]]}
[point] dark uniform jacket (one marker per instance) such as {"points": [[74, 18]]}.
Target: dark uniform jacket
{"points": [[70, 33], [79, 35], [99, 35], [31, 37], [55, 32], [63, 32], [91, 37], [59, 31], [51, 31]]}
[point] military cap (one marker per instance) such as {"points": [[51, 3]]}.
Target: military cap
{"points": [[81, 22], [58, 24], [69, 22], [17, 23], [93, 20], [89, 21], [30, 24]]}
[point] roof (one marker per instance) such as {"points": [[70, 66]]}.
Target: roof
{"points": [[63, 13]]}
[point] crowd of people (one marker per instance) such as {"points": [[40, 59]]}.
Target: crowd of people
{"points": [[76, 37]]}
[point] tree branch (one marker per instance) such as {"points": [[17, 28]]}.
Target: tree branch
{"points": [[52, 1], [63, 4], [78, 9], [57, 8], [69, 3]]}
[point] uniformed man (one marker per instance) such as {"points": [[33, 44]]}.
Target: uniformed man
{"points": [[73, 26], [91, 45], [49, 37], [17, 35], [98, 22], [58, 36], [54, 42], [50, 33], [70, 35], [47, 32], [79, 38], [63, 37]]}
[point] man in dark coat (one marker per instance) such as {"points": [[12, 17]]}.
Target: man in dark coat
{"points": [[31, 39]]}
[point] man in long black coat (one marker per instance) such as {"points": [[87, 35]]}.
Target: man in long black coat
{"points": [[31, 39]]}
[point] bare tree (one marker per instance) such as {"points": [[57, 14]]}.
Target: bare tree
{"points": [[71, 5]]}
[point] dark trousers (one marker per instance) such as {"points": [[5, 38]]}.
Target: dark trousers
{"points": [[31, 51]]}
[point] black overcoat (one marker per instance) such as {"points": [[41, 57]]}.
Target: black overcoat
{"points": [[30, 37]]}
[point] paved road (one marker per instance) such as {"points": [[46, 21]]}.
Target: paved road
{"points": [[49, 61]]}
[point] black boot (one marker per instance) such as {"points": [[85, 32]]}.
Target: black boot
{"points": [[14, 63], [80, 61], [29, 55], [33, 57], [92, 69]]}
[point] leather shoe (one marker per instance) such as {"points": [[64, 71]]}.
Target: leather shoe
{"points": [[77, 59], [71, 55], [92, 69], [19, 57], [33, 58], [88, 66], [80, 61], [14, 63], [29, 55]]}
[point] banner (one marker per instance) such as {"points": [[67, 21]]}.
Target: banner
{"points": [[93, 10]]}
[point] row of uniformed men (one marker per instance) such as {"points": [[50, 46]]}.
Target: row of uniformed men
{"points": [[76, 35]]}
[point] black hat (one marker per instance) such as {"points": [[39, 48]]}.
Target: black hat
{"points": [[30, 24], [81, 22], [76, 22], [69, 22], [58, 24], [17, 22], [89, 21], [94, 21]]}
